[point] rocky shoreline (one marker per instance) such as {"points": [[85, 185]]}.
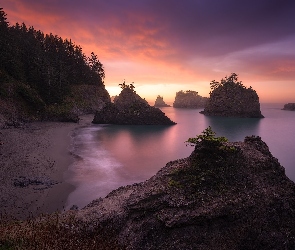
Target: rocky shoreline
{"points": [[234, 196]]}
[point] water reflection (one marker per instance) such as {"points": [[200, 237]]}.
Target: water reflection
{"points": [[112, 156], [235, 129]]}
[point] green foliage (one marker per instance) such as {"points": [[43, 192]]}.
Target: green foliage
{"points": [[231, 80], [207, 136]]}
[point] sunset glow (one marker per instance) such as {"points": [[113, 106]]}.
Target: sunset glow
{"points": [[164, 47]]}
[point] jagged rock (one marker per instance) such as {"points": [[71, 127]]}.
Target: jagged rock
{"points": [[230, 196], [189, 99], [130, 109], [160, 102], [289, 106], [231, 98]]}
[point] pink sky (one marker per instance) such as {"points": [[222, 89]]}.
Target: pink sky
{"points": [[168, 46]]}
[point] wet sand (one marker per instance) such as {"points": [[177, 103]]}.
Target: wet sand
{"points": [[33, 163]]}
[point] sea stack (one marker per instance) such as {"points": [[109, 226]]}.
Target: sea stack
{"points": [[159, 103], [130, 109], [289, 106], [230, 98], [189, 99]]}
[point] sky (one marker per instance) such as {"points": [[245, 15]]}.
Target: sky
{"points": [[164, 46]]}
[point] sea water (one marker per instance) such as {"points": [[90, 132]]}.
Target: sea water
{"points": [[110, 156]]}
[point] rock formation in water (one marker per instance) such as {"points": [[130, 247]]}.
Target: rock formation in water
{"points": [[130, 109], [289, 106], [160, 102], [223, 196], [189, 99], [231, 98]]}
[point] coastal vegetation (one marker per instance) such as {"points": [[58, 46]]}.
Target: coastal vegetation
{"points": [[40, 72]]}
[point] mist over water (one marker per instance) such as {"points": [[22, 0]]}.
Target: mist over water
{"points": [[108, 157]]}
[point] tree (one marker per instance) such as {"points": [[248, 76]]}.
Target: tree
{"points": [[3, 22], [132, 87], [207, 136], [127, 86], [96, 66], [231, 80]]}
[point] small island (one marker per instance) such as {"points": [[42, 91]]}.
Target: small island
{"points": [[189, 99], [130, 109], [230, 98], [289, 106], [159, 103]]}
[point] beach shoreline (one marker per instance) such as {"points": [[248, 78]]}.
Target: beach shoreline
{"points": [[33, 163]]}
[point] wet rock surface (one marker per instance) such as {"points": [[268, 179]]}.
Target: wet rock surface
{"points": [[234, 196], [130, 109]]}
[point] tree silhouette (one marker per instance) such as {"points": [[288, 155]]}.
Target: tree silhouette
{"points": [[45, 62]]}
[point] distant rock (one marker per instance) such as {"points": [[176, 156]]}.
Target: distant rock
{"points": [[289, 106], [233, 195], [231, 98], [160, 102], [130, 109], [189, 99]]}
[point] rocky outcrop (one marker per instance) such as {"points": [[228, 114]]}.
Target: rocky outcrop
{"points": [[160, 102], [289, 106], [130, 109], [189, 99], [231, 98], [223, 196]]}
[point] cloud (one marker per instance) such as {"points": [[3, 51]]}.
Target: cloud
{"points": [[173, 41]]}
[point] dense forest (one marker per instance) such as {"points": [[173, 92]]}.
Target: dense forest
{"points": [[44, 67]]}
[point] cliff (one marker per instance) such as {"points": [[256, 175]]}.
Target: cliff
{"points": [[189, 99], [289, 106], [231, 98], [130, 109], [225, 195], [20, 104]]}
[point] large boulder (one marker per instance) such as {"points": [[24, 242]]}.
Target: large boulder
{"points": [[231, 98], [289, 106], [189, 99], [223, 196], [130, 109]]}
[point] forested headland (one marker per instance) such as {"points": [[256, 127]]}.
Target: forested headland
{"points": [[44, 76]]}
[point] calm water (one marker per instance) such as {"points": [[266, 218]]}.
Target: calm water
{"points": [[108, 157]]}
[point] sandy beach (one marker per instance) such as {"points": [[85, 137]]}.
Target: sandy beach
{"points": [[33, 162]]}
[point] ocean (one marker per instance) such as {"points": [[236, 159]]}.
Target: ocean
{"points": [[110, 156]]}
